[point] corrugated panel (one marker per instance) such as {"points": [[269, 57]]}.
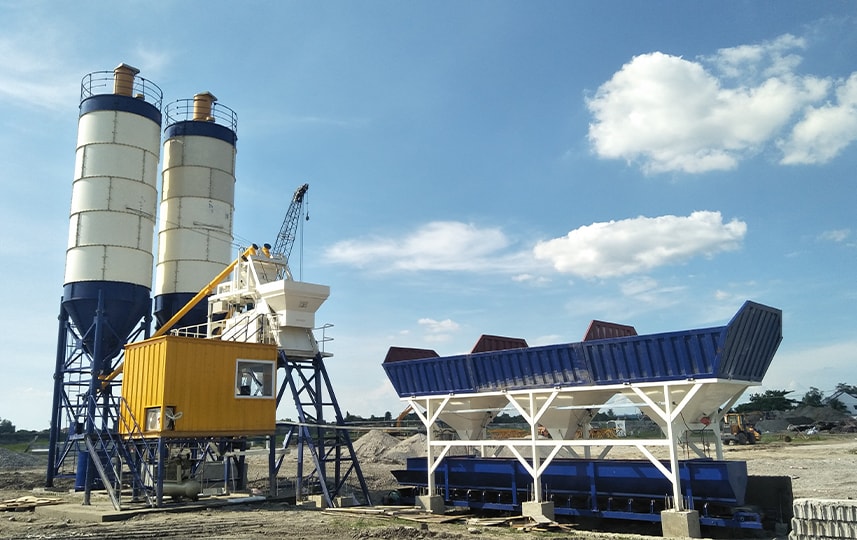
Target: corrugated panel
{"points": [[753, 337], [741, 350], [607, 330], [198, 378], [488, 343]]}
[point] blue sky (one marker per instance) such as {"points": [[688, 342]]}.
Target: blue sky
{"points": [[476, 167]]}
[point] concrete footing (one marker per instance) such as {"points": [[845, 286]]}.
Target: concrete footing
{"points": [[539, 511], [680, 524], [432, 504], [317, 500]]}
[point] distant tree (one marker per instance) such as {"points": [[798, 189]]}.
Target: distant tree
{"points": [[605, 416], [504, 418], [837, 405], [6, 427], [847, 388], [771, 400], [352, 417], [813, 398], [388, 416]]}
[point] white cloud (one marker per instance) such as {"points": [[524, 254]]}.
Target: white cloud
{"points": [[634, 287], [824, 131], [767, 59], [837, 235], [599, 250], [437, 331], [439, 245], [33, 69], [629, 246], [156, 60], [822, 366], [667, 113]]}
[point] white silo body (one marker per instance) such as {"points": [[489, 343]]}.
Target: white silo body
{"points": [[114, 200], [197, 203]]}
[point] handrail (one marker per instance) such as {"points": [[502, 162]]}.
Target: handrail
{"points": [[183, 110], [108, 442], [101, 82]]}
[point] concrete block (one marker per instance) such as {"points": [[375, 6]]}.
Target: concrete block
{"points": [[680, 524], [539, 511], [432, 504], [826, 509], [319, 500], [345, 502]]}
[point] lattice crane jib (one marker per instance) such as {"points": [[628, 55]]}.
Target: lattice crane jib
{"points": [[288, 231]]}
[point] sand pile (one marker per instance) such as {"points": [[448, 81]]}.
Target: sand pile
{"points": [[413, 446], [379, 447], [373, 446]]}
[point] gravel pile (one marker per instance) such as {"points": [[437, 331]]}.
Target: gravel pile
{"points": [[780, 421], [10, 460]]}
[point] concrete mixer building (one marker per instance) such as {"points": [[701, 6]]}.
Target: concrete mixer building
{"points": [[149, 388]]}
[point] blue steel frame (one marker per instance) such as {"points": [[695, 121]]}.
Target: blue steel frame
{"points": [[81, 401], [329, 445], [592, 488]]}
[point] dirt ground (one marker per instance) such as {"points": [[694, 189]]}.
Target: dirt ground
{"points": [[820, 467]]}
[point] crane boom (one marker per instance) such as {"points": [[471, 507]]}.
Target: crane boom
{"points": [[286, 237]]}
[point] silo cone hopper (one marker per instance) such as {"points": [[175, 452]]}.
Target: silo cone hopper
{"points": [[123, 306], [295, 304]]}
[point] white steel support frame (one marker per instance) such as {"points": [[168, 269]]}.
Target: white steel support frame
{"points": [[677, 406]]}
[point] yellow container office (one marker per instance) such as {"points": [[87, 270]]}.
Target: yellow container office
{"points": [[190, 387]]}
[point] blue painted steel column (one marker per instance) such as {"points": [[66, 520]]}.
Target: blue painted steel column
{"points": [[159, 484], [94, 389], [62, 344]]}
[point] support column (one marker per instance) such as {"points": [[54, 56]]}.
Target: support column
{"points": [[678, 501], [431, 502]]}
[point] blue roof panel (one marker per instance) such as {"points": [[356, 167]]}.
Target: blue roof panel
{"points": [[742, 350]]}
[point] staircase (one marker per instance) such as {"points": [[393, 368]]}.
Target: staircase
{"points": [[119, 459]]}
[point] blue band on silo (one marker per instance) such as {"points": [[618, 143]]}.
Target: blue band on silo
{"points": [[116, 102], [204, 129]]}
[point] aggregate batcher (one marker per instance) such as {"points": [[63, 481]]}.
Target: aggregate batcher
{"points": [[684, 381]]}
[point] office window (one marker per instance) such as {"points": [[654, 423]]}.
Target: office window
{"points": [[153, 419], [254, 379]]}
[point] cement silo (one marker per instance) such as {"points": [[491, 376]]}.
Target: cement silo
{"points": [[197, 203], [108, 273], [114, 197]]}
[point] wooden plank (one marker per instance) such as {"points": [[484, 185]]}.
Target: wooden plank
{"points": [[26, 503]]}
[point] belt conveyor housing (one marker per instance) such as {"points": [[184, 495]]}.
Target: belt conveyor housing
{"points": [[614, 488]]}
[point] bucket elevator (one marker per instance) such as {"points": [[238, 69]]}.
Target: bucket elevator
{"points": [[683, 381], [170, 412]]}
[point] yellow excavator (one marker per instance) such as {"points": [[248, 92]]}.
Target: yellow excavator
{"points": [[736, 430]]}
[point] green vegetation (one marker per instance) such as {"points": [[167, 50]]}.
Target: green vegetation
{"points": [[776, 400], [19, 441]]}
